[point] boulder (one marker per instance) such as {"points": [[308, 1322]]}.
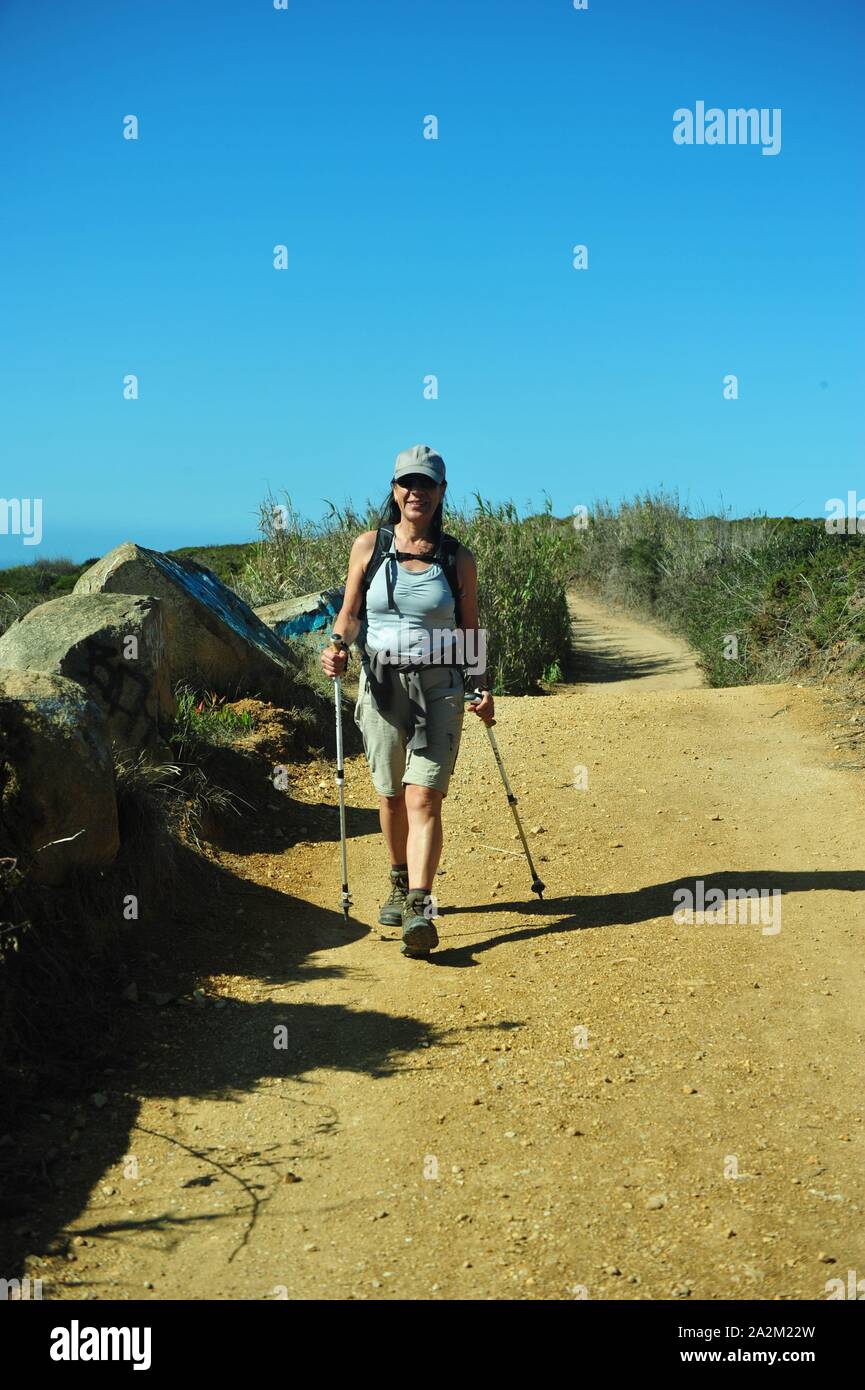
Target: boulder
{"points": [[294, 617], [56, 777], [214, 640], [114, 646]]}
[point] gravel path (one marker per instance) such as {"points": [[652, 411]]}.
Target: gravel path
{"points": [[574, 1097]]}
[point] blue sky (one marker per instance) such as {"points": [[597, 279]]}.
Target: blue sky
{"points": [[409, 257]]}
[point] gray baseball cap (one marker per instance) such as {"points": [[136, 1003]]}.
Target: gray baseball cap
{"points": [[420, 458]]}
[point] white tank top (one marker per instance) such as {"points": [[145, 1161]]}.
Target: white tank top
{"points": [[424, 603]]}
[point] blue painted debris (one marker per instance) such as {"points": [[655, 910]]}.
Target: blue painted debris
{"points": [[204, 585], [311, 613]]}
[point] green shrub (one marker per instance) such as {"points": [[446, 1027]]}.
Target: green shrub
{"points": [[791, 594], [295, 556], [524, 568], [205, 719]]}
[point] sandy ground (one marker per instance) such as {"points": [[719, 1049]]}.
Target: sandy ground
{"points": [[575, 1097]]}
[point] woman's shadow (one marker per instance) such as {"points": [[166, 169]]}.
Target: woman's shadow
{"points": [[588, 911]]}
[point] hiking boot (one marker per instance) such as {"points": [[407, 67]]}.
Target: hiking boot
{"points": [[390, 913], [419, 935]]}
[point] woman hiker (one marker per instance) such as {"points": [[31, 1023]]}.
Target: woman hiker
{"points": [[410, 704]]}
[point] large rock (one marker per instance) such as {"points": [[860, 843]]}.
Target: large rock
{"points": [[213, 639], [113, 645], [56, 777], [294, 617]]}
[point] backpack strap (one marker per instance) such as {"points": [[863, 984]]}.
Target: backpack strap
{"points": [[383, 539], [446, 555]]}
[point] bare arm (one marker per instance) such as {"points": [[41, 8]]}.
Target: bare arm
{"points": [[348, 619], [467, 578]]}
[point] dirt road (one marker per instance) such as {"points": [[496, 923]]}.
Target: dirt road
{"points": [[579, 1097]]}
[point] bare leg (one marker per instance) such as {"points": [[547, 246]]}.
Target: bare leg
{"points": [[424, 809], [394, 825]]}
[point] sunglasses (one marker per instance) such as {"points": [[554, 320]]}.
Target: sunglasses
{"points": [[416, 481]]}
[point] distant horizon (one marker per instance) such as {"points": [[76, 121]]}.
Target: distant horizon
{"points": [[96, 552]]}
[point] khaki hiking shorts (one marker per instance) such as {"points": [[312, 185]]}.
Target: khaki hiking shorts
{"points": [[385, 734]]}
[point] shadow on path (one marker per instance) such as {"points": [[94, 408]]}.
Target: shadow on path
{"points": [[167, 1042], [642, 905], [602, 654]]}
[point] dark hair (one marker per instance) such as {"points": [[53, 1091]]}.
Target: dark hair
{"points": [[390, 514]]}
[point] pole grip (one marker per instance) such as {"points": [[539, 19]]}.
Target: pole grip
{"points": [[336, 643], [479, 695]]}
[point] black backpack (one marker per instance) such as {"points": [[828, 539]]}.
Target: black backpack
{"points": [[445, 556]]}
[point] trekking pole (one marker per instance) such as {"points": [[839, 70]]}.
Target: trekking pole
{"points": [[537, 886], [337, 644]]}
